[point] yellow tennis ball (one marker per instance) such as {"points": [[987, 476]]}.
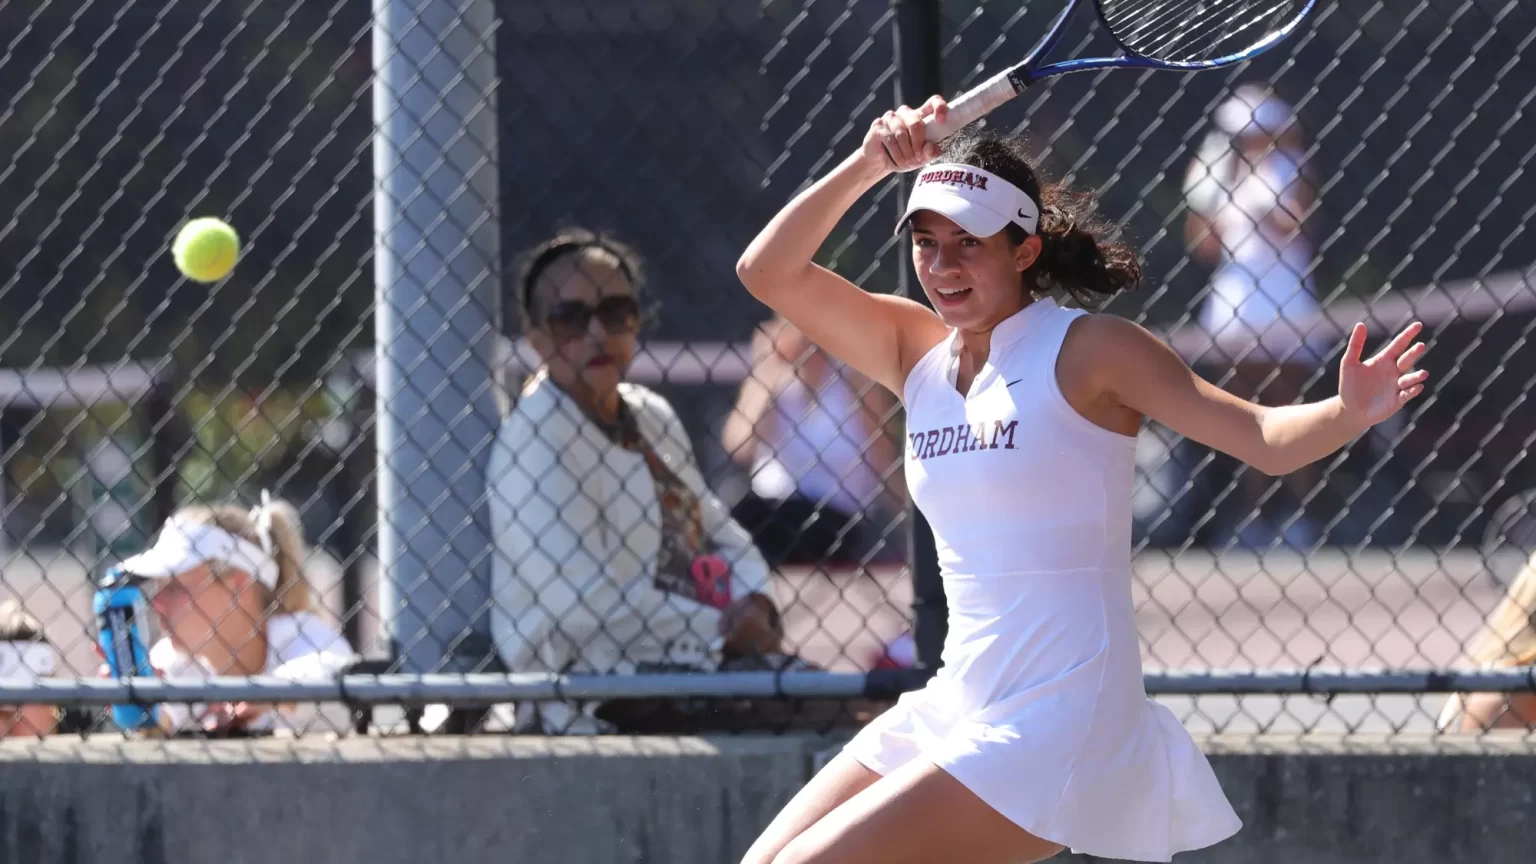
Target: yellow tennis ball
{"points": [[206, 249]]}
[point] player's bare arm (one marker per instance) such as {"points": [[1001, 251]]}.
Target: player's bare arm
{"points": [[1137, 372], [879, 335]]}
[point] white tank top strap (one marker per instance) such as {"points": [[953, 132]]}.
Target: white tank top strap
{"points": [[1053, 337], [937, 363]]}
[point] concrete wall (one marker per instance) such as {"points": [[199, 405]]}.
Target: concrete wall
{"points": [[1342, 801], [689, 801]]}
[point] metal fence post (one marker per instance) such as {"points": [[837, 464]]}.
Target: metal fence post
{"points": [[359, 513], [918, 31], [163, 428], [436, 264]]}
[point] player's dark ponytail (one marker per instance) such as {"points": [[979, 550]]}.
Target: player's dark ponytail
{"points": [[1080, 254]]}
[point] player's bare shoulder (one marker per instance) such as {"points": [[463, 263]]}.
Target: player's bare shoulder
{"points": [[1099, 347], [1105, 333]]}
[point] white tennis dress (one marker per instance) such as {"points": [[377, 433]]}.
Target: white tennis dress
{"points": [[1040, 708]]}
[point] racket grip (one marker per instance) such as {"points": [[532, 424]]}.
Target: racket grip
{"points": [[974, 104]]}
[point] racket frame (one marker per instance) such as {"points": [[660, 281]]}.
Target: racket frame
{"points": [[1005, 85]]}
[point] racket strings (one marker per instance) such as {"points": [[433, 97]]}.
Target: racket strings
{"points": [[1155, 20], [1193, 31], [1179, 36], [1197, 31], [1237, 33]]}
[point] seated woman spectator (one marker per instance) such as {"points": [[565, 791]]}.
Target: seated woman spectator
{"points": [[824, 464], [25, 657], [611, 554], [1507, 639], [229, 590]]}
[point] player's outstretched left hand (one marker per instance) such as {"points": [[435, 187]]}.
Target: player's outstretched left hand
{"points": [[1373, 390]]}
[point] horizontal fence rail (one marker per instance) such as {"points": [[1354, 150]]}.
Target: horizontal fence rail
{"points": [[484, 689]]}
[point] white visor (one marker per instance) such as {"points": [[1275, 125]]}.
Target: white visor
{"points": [[25, 661], [184, 545], [980, 202]]}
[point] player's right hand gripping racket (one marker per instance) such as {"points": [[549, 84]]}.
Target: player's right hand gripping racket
{"points": [[1181, 35]]}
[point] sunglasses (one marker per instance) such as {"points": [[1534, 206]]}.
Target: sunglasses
{"points": [[571, 319]]}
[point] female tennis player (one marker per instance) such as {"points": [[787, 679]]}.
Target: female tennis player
{"points": [[1036, 734]]}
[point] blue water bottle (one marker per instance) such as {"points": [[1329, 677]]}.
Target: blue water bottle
{"points": [[123, 622]]}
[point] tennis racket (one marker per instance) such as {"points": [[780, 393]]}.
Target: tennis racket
{"points": [[1180, 35]]}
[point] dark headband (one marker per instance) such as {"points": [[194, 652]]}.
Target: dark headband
{"points": [[559, 250]]}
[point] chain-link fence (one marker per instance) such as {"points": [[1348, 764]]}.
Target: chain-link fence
{"points": [[388, 359]]}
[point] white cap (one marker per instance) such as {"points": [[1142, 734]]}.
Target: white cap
{"points": [[25, 661], [980, 202], [185, 545], [1252, 111]]}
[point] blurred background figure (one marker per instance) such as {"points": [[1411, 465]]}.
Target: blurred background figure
{"points": [[817, 438], [25, 657], [1249, 194], [230, 592], [899, 653], [1506, 640]]}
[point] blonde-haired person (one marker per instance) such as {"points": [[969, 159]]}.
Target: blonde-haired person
{"points": [[229, 589], [25, 657], [1507, 639]]}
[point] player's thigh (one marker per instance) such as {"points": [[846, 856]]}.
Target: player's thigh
{"points": [[839, 780], [916, 815]]}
